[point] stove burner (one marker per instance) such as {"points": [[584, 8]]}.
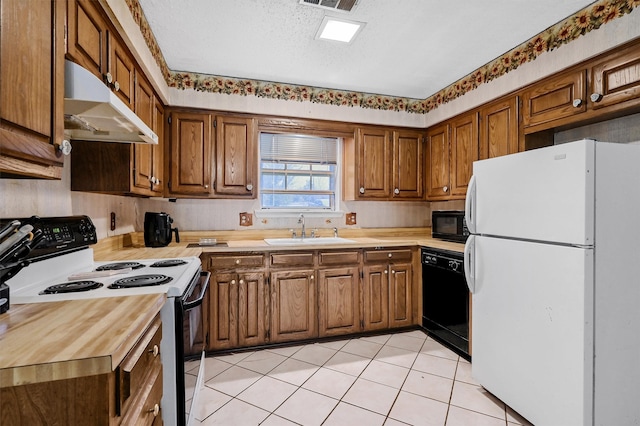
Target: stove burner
{"points": [[141, 281], [120, 265], [168, 263], [71, 287]]}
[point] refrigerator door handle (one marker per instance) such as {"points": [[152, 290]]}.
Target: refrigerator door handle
{"points": [[470, 263], [470, 205]]}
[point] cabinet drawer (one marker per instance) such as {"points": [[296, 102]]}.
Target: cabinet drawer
{"points": [[339, 257], [387, 255], [145, 408], [236, 261], [141, 359], [287, 259]]}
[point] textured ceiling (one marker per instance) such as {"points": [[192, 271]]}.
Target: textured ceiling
{"points": [[408, 48]]}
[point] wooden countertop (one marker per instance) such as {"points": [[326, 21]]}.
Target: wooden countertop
{"points": [[42, 342], [132, 246]]}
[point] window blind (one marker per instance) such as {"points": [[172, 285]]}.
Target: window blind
{"points": [[291, 148]]}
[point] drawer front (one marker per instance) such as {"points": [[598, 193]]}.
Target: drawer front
{"points": [[236, 261], [287, 259], [140, 360], [339, 258], [145, 407], [387, 255]]}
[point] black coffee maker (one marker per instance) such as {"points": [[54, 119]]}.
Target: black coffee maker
{"points": [[158, 230]]}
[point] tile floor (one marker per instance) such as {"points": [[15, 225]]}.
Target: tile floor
{"points": [[392, 379]]}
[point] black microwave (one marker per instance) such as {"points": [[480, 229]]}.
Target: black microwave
{"points": [[449, 225]]}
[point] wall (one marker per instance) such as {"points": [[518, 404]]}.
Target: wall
{"points": [[624, 129], [45, 198]]}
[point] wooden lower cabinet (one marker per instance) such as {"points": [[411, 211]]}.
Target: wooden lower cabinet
{"points": [[129, 395], [239, 316], [293, 305], [376, 297], [339, 301], [261, 298]]}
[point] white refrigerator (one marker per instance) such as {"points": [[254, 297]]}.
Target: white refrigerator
{"points": [[553, 265]]}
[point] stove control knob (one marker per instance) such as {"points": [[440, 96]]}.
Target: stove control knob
{"points": [[454, 264]]}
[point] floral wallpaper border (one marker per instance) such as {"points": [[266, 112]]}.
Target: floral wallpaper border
{"points": [[588, 19]]}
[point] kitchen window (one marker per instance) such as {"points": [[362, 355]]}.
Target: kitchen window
{"points": [[298, 172]]}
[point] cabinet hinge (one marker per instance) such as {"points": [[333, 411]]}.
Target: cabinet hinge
{"points": [[215, 123], [169, 119], [362, 274], [169, 184]]}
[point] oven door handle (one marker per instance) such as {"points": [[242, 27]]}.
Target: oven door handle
{"points": [[206, 276]]}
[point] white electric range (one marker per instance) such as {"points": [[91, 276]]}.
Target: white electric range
{"points": [[62, 268]]}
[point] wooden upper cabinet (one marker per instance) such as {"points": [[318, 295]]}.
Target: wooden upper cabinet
{"points": [[616, 79], [31, 88], [87, 36], [407, 164], [191, 161], [121, 73], [555, 98], [499, 128], [464, 151], [147, 167], [438, 141], [236, 156], [373, 148]]}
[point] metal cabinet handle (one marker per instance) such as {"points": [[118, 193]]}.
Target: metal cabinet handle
{"points": [[311, 277], [390, 255], [249, 187], [233, 281], [386, 272], [595, 97], [206, 187], [577, 103], [445, 188], [396, 191], [362, 189], [116, 86], [237, 261], [393, 272], [108, 77], [241, 281]]}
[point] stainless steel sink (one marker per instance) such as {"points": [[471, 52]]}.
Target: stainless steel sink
{"points": [[306, 241]]}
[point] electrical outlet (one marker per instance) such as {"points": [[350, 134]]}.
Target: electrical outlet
{"points": [[350, 218], [246, 219]]}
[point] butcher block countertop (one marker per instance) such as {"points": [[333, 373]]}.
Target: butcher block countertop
{"points": [[41, 342], [131, 246]]}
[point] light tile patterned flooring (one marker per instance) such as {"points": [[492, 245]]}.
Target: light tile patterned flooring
{"points": [[392, 379]]}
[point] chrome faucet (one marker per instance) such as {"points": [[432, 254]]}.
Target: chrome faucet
{"points": [[301, 220]]}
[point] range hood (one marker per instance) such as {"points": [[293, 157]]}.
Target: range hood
{"points": [[92, 112]]}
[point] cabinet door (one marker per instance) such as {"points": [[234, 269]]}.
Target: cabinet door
{"points": [[236, 153], [554, 98], [616, 79], [372, 163], [400, 297], [31, 87], [464, 151], [376, 297], [252, 309], [87, 36], [223, 321], [143, 172], [293, 305], [191, 161], [499, 128], [158, 150], [339, 301], [408, 160], [438, 162], [122, 70]]}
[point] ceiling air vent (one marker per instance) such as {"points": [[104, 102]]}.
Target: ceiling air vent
{"points": [[342, 5]]}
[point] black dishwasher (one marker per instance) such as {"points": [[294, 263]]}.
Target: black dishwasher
{"points": [[445, 299]]}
